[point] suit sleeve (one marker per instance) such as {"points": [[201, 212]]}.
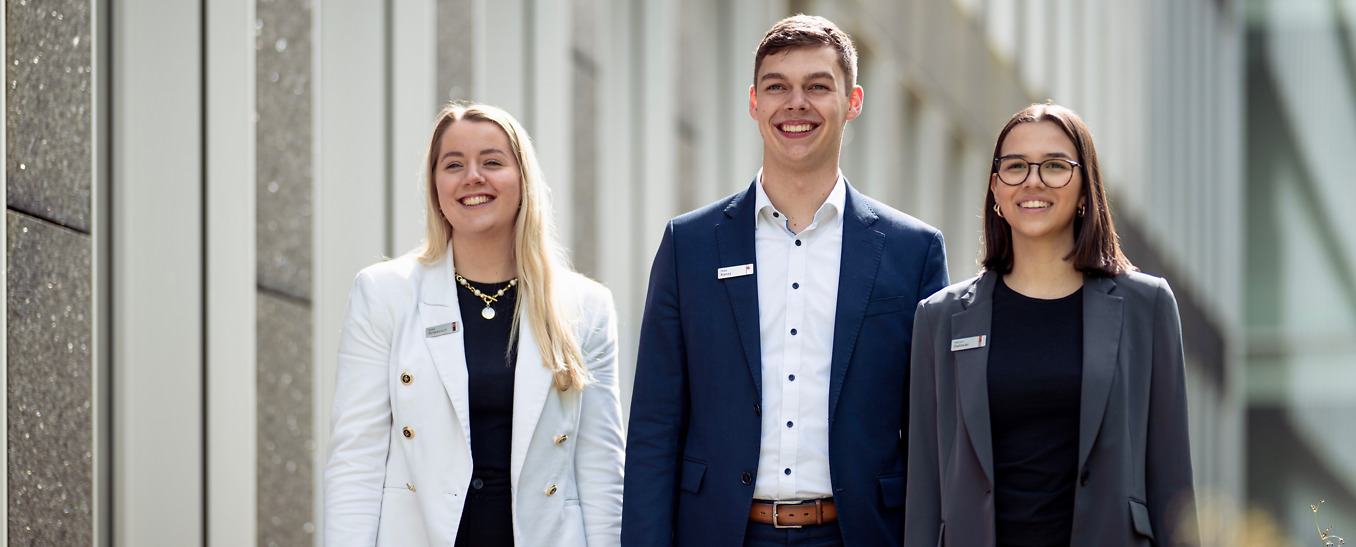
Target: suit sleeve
{"points": [[659, 410], [935, 277], [1171, 500], [600, 449], [923, 518], [360, 422]]}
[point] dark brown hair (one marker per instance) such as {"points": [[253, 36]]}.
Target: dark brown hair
{"points": [[803, 30], [1097, 249]]}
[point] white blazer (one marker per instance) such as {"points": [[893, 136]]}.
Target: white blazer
{"points": [[383, 487]]}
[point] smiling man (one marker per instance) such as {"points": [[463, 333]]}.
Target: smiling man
{"points": [[770, 395]]}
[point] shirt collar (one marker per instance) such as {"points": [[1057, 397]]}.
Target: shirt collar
{"points": [[830, 210]]}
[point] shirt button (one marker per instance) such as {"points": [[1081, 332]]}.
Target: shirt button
{"points": [[795, 285], [757, 409], [746, 478], [793, 332], [477, 483], [787, 471], [776, 214], [797, 242], [789, 423], [791, 377]]}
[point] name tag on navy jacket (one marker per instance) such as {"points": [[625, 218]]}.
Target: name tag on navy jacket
{"points": [[734, 271], [972, 342]]}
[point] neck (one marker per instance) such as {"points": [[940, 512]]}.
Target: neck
{"points": [[1039, 269], [799, 193], [486, 259]]}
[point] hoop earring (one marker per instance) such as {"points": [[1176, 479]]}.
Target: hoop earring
{"points": [[1080, 210], [1000, 211]]}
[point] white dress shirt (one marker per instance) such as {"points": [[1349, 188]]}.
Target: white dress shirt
{"points": [[797, 298]]}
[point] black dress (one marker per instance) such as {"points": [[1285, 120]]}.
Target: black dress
{"points": [[487, 519]]}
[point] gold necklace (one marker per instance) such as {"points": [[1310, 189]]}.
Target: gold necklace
{"points": [[488, 312]]}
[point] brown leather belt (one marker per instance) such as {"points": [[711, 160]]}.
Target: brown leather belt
{"points": [[793, 514]]}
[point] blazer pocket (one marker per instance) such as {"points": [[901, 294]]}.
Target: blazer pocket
{"points": [[892, 490], [889, 305], [1139, 516], [693, 471]]}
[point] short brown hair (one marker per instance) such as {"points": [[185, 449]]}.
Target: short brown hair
{"points": [[1097, 249], [803, 30]]}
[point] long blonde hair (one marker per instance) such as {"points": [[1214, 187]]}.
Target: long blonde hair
{"points": [[540, 258]]}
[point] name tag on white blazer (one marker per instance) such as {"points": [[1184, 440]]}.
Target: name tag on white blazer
{"points": [[734, 271], [439, 330], [972, 342]]}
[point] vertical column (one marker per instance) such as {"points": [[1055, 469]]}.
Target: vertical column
{"points": [[414, 99], [157, 313], [49, 274], [585, 53], [283, 209], [231, 355]]}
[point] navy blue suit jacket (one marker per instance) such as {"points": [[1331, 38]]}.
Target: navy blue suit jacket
{"points": [[695, 424]]}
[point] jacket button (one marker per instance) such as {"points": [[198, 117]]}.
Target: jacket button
{"points": [[410, 486], [406, 378], [477, 483], [550, 490], [562, 439], [409, 433], [746, 478], [757, 409], [1084, 479]]}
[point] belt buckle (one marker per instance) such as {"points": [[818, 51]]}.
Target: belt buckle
{"points": [[776, 504]]}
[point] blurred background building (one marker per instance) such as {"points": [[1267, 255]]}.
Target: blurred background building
{"points": [[191, 187]]}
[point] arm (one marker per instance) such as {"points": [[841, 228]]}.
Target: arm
{"points": [[1168, 469], [659, 411], [600, 449], [360, 423], [923, 516], [934, 278]]}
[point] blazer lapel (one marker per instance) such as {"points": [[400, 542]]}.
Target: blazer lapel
{"points": [[735, 247], [972, 368], [862, 248], [532, 382], [444, 337], [1101, 345]]}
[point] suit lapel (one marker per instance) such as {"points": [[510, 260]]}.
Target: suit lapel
{"points": [[531, 385], [735, 247], [438, 311], [1101, 345], [862, 247], [972, 368]]}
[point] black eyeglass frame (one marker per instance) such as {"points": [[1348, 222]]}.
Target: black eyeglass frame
{"points": [[1039, 175]]}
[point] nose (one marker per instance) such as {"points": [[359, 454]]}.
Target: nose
{"points": [[797, 101], [1033, 175], [473, 175]]}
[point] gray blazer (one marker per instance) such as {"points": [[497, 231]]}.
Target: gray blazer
{"points": [[1134, 463]]}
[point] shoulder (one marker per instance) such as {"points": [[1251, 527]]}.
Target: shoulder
{"points": [[710, 213], [589, 299], [953, 294], [1140, 287], [889, 219], [394, 282]]}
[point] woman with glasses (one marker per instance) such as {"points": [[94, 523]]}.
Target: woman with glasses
{"points": [[1047, 395], [475, 400]]}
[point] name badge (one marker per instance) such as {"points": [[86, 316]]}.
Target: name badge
{"points": [[969, 343], [439, 330], [734, 271]]}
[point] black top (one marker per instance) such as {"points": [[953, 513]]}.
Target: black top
{"points": [[1035, 385], [490, 360]]}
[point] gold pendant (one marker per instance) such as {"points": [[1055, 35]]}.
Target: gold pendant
{"points": [[487, 313]]}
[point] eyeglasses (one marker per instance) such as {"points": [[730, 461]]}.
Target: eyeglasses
{"points": [[1054, 173]]}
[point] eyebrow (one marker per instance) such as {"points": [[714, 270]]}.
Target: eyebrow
{"points": [[482, 152], [1060, 155], [780, 76]]}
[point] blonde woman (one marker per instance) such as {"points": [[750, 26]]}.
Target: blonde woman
{"points": [[476, 396]]}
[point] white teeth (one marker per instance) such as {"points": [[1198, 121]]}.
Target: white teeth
{"points": [[1032, 204], [475, 200], [798, 128]]}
